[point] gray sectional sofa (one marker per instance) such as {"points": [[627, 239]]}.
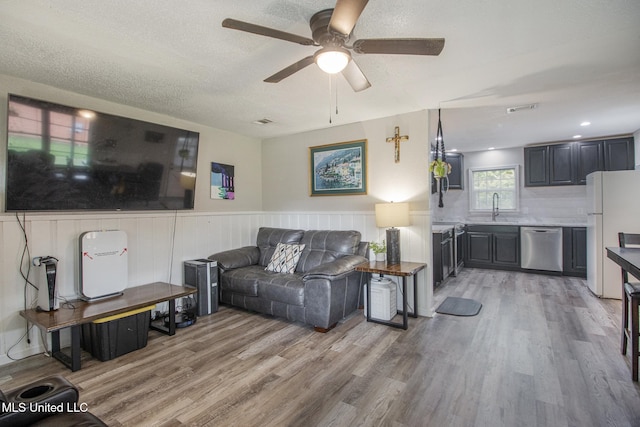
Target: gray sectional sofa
{"points": [[323, 289]]}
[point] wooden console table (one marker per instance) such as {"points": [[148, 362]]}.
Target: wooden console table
{"points": [[81, 312], [404, 270]]}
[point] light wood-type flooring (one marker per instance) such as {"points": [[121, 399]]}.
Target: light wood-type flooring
{"points": [[542, 351]]}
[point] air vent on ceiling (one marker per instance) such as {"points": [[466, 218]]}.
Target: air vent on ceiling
{"points": [[263, 122], [521, 108]]}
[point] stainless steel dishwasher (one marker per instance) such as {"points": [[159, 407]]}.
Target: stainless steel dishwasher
{"points": [[541, 248]]}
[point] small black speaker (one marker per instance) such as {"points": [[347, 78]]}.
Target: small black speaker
{"points": [[202, 274]]}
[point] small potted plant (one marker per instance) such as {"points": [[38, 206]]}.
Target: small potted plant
{"points": [[440, 168], [380, 249]]}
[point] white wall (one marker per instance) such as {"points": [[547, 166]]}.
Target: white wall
{"points": [[564, 204], [285, 161]]}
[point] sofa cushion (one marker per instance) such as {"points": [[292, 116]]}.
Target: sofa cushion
{"points": [[280, 287], [268, 238], [322, 246], [243, 280], [285, 258]]}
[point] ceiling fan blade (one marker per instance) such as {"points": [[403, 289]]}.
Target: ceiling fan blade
{"points": [[399, 46], [345, 15], [293, 68], [269, 32], [356, 78]]}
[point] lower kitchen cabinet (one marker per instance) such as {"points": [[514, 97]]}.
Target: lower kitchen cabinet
{"points": [[443, 259], [493, 246], [574, 251]]}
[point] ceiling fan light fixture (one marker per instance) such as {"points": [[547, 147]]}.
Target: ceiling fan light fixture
{"points": [[332, 60]]}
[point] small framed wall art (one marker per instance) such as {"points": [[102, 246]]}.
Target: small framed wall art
{"points": [[338, 169], [222, 177]]}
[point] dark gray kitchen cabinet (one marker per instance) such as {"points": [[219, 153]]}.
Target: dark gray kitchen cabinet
{"points": [[493, 246], [570, 163], [590, 158], [443, 262], [456, 177], [478, 248], [561, 164], [619, 154], [574, 251], [536, 166], [506, 248]]}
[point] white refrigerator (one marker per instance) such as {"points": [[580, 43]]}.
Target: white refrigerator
{"points": [[613, 206]]}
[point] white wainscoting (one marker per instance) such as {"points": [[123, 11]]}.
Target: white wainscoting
{"points": [[158, 243]]}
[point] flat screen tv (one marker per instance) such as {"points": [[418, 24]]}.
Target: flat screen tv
{"points": [[62, 158]]}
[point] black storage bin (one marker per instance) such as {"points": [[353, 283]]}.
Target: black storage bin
{"points": [[114, 336]]}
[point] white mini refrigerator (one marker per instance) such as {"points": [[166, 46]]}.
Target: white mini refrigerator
{"points": [[613, 206]]}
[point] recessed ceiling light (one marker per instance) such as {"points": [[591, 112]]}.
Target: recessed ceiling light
{"points": [[585, 123], [262, 122], [491, 148], [577, 136]]}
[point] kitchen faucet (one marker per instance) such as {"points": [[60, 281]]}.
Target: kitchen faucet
{"points": [[495, 209]]}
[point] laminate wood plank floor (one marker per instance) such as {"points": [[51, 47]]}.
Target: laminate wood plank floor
{"points": [[543, 351]]}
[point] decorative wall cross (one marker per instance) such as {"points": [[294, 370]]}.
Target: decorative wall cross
{"points": [[397, 139]]}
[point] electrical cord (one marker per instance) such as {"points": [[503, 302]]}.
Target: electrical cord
{"points": [[26, 253]]}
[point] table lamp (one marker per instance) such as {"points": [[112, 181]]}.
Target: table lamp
{"points": [[392, 215]]}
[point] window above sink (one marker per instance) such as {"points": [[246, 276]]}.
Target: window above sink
{"points": [[486, 181]]}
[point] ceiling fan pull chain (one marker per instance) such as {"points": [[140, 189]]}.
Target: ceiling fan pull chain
{"points": [[336, 97], [330, 98]]}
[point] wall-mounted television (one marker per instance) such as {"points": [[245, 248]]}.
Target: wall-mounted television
{"points": [[62, 158]]}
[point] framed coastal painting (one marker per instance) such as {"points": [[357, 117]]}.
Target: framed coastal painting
{"points": [[338, 169]]}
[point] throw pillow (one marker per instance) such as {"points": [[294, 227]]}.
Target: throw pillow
{"points": [[285, 258]]}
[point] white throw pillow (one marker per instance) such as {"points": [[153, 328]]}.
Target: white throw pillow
{"points": [[285, 258]]}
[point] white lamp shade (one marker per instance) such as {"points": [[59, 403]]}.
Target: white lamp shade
{"points": [[392, 215], [332, 60]]}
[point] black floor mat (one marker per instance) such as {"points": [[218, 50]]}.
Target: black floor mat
{"points": [[459, 307]]}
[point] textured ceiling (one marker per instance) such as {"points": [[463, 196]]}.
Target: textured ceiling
{"points": [[578, 60]]}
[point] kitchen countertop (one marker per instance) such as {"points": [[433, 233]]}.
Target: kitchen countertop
{"points": [[438, 227], [525, 223]]}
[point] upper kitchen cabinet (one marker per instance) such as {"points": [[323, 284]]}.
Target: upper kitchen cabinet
{"points": [[618, 154], [561, 164], [590, 158], [570, 163], [536, 166], [456, 177]]}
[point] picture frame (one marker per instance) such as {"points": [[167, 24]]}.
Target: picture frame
{"points": [[338, 169], [222, 181]]}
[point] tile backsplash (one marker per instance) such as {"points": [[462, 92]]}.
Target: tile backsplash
{"points": [[565, 204]]}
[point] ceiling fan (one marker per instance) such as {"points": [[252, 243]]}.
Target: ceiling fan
{"points": [[332, 29]]}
